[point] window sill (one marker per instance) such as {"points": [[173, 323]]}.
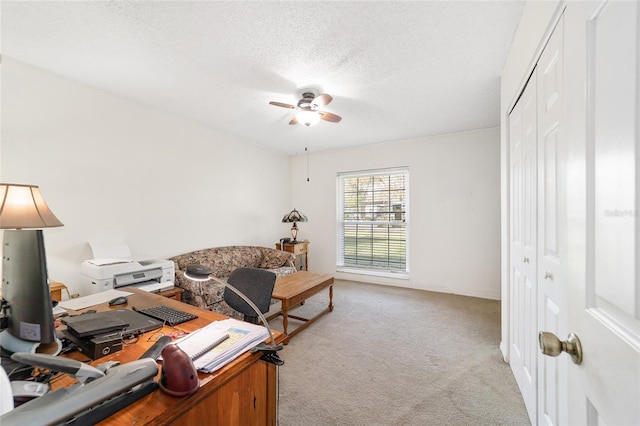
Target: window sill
{"points": [[386, 274]]}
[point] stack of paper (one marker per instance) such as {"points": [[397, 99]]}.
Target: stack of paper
{"points": [[242, 337], [92, 299]]}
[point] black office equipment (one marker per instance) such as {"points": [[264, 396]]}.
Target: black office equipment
{"points": [[90, 325], [167, 314], [136, 323], [120, 300], [156, 349], [98, 346]]}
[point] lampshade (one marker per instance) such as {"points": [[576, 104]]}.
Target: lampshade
{"points": [[197, 272], [307, 117], [294, 216], [22, 206]]}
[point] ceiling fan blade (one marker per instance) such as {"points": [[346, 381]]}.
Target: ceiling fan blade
{"points": [[280, 104], [330, 117], [321, 100], [294, 121]]}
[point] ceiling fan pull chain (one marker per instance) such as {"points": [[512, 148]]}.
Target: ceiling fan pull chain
{"points": [[306, 148]]}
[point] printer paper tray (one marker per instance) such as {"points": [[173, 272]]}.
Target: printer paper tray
{"points": [[154, 286]]}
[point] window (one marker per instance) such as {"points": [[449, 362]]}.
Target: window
{"points": [[372, 221]]}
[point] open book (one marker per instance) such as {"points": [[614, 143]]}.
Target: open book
{"points": [[220, 342]]}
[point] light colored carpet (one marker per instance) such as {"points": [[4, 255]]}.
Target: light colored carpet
{"points": [[393, 356]]}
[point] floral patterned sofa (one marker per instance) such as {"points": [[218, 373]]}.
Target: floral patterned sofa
{"points": [[223, 260]]}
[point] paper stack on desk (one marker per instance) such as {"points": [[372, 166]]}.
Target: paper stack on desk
{"points": [[242, 337]]}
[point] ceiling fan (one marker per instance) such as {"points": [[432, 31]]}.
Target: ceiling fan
{"points": [[309, 109]]}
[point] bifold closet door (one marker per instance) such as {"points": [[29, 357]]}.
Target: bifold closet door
{"points": [[552, 372], [523, 234]]}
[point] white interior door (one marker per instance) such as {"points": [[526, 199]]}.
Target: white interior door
{"points": [[603, 87], [523, 343]]}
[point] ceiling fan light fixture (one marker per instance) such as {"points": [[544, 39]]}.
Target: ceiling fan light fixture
{"points": [[307, 117], [308, 109]]}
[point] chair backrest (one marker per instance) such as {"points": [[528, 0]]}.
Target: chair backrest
{"points": [[257, 284]]}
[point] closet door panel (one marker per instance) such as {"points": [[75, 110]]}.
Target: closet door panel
{"points": [[551, 284], [523, 139]]}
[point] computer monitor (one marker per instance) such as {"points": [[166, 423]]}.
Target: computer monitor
{"points": [[25, 289]]}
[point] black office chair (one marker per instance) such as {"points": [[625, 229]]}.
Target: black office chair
{"points": [[257, 284]]}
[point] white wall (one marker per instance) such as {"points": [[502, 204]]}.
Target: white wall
{"points": [[527, 44], [109, 167], [454, 208]]}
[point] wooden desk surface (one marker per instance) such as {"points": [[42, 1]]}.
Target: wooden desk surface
{"points": [[209, 401]]}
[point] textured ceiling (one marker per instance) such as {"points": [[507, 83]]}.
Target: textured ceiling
{"points": [[395, 69]]}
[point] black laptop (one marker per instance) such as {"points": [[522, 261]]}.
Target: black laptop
{"points": [[118, 320]]}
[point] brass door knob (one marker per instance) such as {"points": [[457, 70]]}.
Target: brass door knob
{"points": [[552, 346]]}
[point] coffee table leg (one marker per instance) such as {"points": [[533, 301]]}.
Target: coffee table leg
{"points": [[285, 323], [331, 298]]}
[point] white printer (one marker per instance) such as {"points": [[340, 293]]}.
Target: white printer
{"points": [[152, 275]]}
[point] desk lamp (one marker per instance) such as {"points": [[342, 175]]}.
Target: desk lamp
{"points": [[202, 273], [25, 287], [294, 216]]}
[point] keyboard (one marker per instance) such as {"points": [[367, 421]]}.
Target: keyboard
{"points": [[167, 314]]}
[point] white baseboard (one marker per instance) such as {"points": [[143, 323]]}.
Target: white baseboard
{"points": [[371, 279]]}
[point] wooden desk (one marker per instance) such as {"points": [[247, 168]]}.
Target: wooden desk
{"points": [[241, 393]]}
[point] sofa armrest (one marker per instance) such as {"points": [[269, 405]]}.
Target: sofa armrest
{"points": [[203, 294], [274, 258]]}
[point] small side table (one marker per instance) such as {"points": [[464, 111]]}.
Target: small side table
{"points": [[175, 293], [301, 250], [56, 290]]}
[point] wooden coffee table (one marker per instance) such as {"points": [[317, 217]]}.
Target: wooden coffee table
{"points": [[293, 290]]}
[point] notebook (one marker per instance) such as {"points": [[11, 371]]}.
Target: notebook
{"points": [[125, 320]]}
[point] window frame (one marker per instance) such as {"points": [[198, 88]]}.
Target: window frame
{"points": [[340, 223]]}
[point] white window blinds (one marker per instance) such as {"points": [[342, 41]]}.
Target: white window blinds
{"points": [[372, 220]]}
